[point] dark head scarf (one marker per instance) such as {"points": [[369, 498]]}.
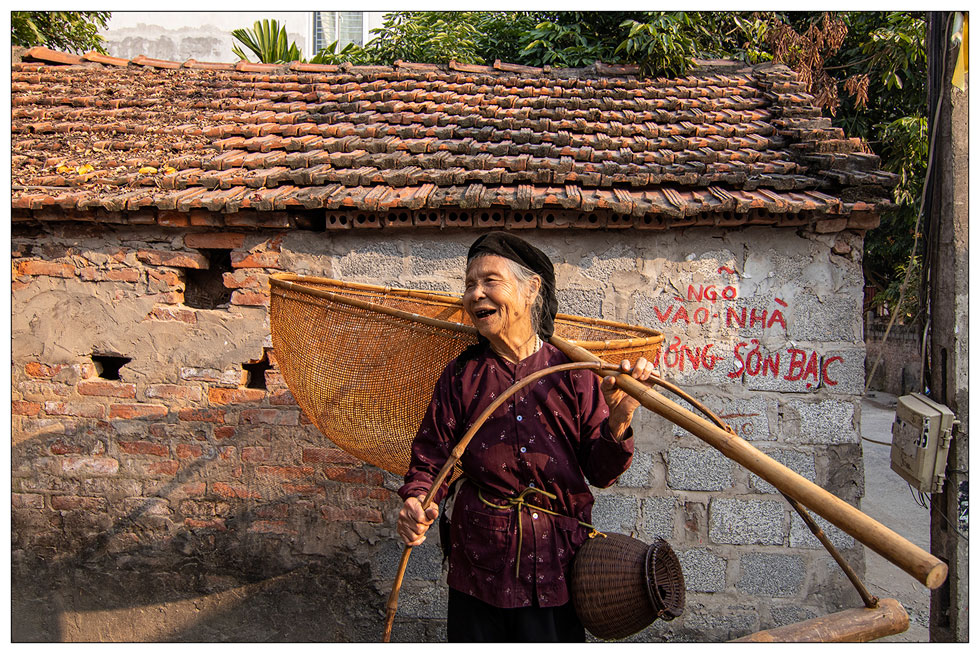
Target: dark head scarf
{"points": [[505, 244]]}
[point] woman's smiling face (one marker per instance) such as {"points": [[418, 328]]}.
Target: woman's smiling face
{"points": [[495, 302]]}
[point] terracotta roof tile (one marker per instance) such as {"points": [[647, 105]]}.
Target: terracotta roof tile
{"points": [[418, 136]]}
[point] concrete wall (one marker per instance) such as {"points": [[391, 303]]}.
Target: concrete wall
{"points": [[900, 363], [181, 503]]}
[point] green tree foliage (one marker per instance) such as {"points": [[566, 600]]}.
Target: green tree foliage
{"points": [[71, 31]]}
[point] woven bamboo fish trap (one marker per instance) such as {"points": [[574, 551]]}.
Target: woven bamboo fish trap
{"points": [[620, 585], [362, 360]]}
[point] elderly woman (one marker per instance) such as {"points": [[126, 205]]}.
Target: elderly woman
{"points": [[524, 506]]}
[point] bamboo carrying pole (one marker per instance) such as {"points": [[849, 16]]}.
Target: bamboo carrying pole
{"points": [[850, 626], [926, 568]]}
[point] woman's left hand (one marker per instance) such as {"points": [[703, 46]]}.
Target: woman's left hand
{"points": [[622, 405]]}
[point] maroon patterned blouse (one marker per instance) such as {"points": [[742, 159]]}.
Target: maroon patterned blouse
{"points": [[553, 435]]}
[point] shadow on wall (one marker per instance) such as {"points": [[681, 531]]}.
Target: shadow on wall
{"points": [[138, 576]]}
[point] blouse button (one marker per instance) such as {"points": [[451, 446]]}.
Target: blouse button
{"points": [[523, 449], [519, 418], [534, 515]]}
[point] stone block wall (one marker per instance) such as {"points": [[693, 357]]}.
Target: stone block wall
{"points": [[159, 460]]}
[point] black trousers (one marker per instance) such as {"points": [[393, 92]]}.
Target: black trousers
{"points": [[473, 621]]}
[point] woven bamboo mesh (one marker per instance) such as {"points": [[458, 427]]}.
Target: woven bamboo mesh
{"points": [[362, 360], [620, 585]]}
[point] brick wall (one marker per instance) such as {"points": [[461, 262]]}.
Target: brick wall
{"points": [[194, 477]]}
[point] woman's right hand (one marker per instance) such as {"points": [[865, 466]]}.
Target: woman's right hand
{"points": [[413, 522]]}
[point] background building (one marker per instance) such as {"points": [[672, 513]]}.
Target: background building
{"points": [[206, 35]]}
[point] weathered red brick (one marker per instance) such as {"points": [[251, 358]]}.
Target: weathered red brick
{"points": [[173, 219], [283, 397], [231, 377], [40, 370], [358, 494], [162, 468], [46, 268], [215, 240], [77, 409], [286, 472], [23, 408], [136, 411], [61, 447], [174, 392], [201, 218], [255, 260], [161, 430], [235, 395], [201, 415], [172, 313], [106, 388], [144, 447], [169, 297], [249, 298], [162, 280], [256, 453], [269, 417], [173, 259], [328, 455], [213, 523], [192, 489], [352, 514], [274, 378], [89, 274], [88, 465], [272, 511], [304, 489], [224, 432], [234, 491], [188, 451], [122, 275], [240, 279], [271, 527], [346, 475], [26, 501], [74, 503]]}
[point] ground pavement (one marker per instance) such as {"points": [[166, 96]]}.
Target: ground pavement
{"points": [[888, 499]]}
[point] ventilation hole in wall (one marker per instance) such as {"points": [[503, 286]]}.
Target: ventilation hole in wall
{"points": [[593, 219], [317, 223], [205, 289], [495, 216], [256, 370], [107, 365]]}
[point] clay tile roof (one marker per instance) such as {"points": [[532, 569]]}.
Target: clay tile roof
{"points": [[109, 134]]}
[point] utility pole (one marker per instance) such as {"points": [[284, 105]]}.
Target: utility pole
{"points": [[948, 286]]}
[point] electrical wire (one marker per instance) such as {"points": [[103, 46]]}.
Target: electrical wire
{"points": [[918, 219], [925, 502]]}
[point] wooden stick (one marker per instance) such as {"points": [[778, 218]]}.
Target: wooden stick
{"points": [[926, 568], [850, 626], [457, 452]]}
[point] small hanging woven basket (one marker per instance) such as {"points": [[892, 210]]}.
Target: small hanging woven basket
{"points": [[620, 585]]}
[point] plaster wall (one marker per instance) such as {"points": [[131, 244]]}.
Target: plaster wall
{"points": [[183, 498]]}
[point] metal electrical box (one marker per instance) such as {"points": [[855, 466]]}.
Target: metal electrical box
{"points": [[920, 441]]}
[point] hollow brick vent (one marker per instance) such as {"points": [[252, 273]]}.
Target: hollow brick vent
{"points": [[256, 370], [205, 288], [107, 365]]}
